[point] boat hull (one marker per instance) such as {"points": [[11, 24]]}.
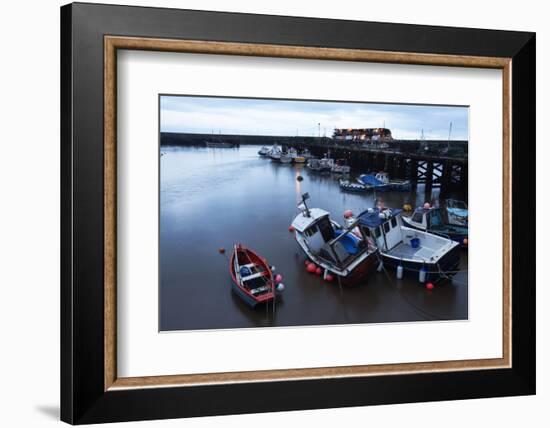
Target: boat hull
{"points": [[245, 297], [446, 266], [353, 278], [354, 187], [238, 289], [360, 272]]}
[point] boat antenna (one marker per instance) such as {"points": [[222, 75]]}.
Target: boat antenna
{"points": [[305, 197]]}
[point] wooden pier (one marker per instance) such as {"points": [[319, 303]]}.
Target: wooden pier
{"points": [[434, 163]]}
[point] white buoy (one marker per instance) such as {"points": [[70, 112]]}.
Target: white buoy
{"points": [[422, 275], [272, 268], [400, 271], [280, 287]]}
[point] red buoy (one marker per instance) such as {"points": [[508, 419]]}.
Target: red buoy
{"points": [[221, 250], [429, 286], [278, 278], [311, 268], [307, 262], [318, 271], [291, 228], [329, 277]]}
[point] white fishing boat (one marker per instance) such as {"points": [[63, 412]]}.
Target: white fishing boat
{"points": [[264, 151], [340, 167], [286, 158], [275, 153], [414, 250], [338, 250]]}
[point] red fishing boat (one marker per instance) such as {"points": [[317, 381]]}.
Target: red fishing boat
{"points": [[252, 277]]}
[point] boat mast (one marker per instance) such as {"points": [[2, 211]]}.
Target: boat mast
{"points": [[305, 197]]}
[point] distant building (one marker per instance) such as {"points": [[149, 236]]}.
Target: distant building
{"points": [[362, 135]]}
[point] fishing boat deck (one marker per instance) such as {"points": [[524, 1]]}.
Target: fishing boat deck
{"points": [[406, 251]]}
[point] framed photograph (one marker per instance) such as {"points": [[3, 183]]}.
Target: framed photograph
{"points": [[266, 213]]}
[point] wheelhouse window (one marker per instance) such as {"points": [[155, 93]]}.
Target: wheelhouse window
{"points": [[310, 231], [417, 217], [393, 222], [386, 227]]}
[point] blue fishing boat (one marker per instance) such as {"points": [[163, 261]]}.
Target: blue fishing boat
{"points": [[381, 182], [431, 220], [373, 182], [427, 256], [394, 184]]}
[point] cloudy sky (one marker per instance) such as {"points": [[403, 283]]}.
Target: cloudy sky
{"points": [[282, 117]]}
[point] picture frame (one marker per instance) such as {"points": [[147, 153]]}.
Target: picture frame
{"points": [[91, 391]]}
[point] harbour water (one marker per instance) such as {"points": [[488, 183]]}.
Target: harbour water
{"points": [[214, 198]]}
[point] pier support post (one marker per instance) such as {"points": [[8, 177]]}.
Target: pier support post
{"points": [[446, 178], [429, 176], [413, 173]]}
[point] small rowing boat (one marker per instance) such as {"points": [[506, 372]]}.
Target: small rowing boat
{"points": [[252, 276]]}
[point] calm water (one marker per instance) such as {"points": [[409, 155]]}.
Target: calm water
{"points": [[212, 198]]}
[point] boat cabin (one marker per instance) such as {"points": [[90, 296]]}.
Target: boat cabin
{"points": [[325, 239], [426, 218], [384, 226]]}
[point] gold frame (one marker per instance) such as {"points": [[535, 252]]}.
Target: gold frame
{"points": [[113, 43]]}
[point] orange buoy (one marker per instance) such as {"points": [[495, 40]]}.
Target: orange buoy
{"points": [[429, 286], [221, 250], [465, 241]]}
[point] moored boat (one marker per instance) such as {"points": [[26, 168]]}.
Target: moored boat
{"points": [[338, 250], [296, 157], [340, 167], [264, 151], [275, 153], [373, 182], [353, 186], [399, 185], [320, 165], [252, 277], [286, 158], [457, 212], [431, 220], [430, 257]]}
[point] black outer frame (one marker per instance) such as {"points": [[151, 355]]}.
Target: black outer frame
{"points": [[83, 399]]}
